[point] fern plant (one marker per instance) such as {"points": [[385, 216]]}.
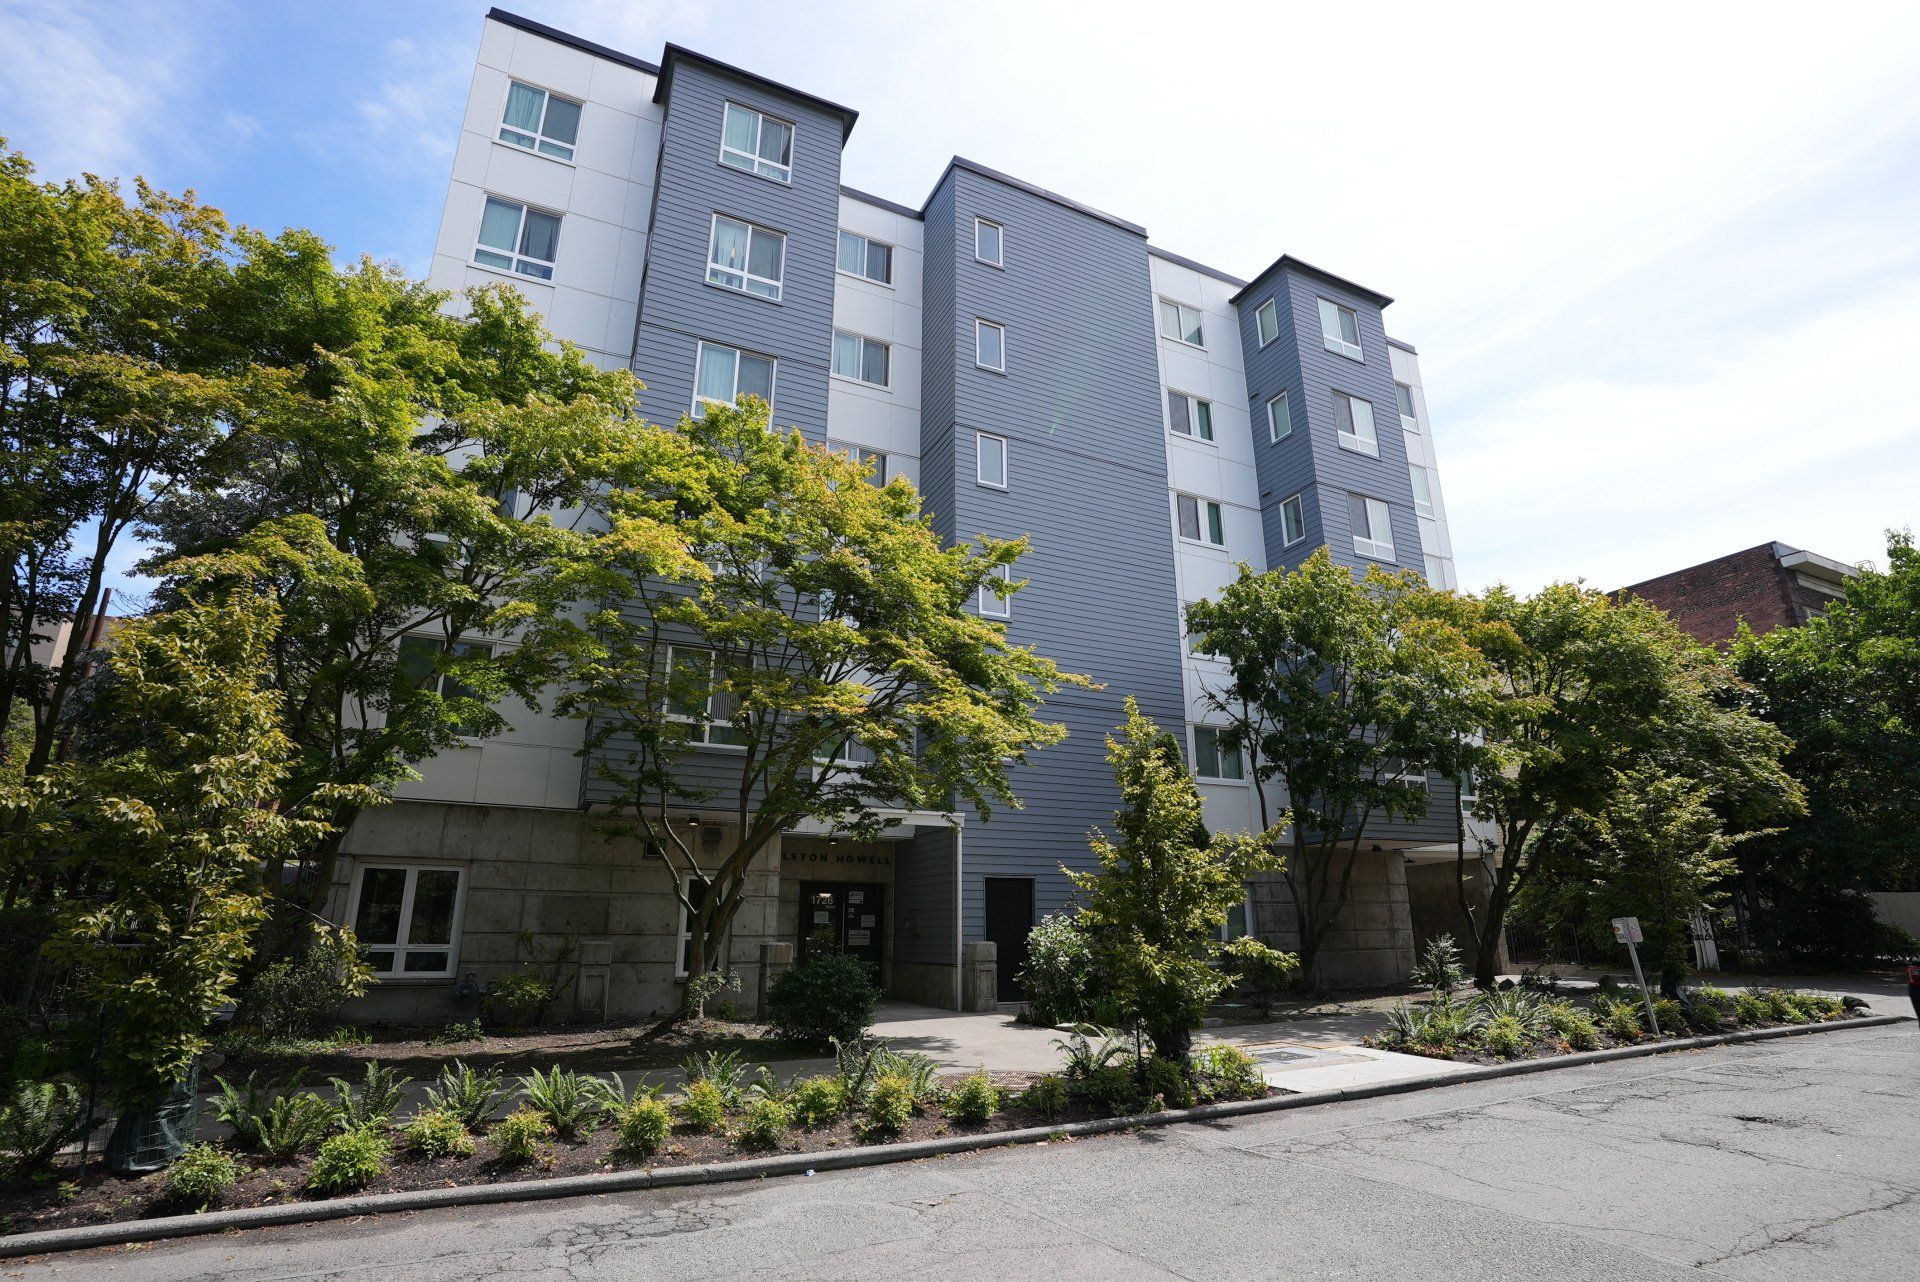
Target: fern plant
{"points": [[854, 1062], [242, 1107], [610, 1095], [467, 1094], [295, 1123], [1527, 1009], [38, 1118], [730, 1074], [1084, 1057], [373, 1102], [561, 1097]]}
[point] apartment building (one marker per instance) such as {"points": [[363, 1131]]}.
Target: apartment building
{"points": [[1034, 366]]}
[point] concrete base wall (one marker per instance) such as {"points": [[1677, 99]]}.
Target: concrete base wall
{"points": [[923, 983], [1371, 942]]}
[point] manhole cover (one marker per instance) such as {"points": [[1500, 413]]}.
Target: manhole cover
{"points": [[1277, 1056]]}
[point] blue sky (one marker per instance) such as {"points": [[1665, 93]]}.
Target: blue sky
{"points": [[1663, 271]]}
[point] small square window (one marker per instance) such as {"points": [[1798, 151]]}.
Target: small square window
{"points": [[864, 360], [1372, 527], [540, 121], [517, 238], [988, 242], [1199, 520], [1267, 321], [1190, 415], [990, 460], [1279, 419], [746, 257], [1293, 521], [990, 345], [1340, 329], [756, 143], [1181, 323], [869, 259], [1213, 759], [1353, 422], [991, 604], [724, 374]]}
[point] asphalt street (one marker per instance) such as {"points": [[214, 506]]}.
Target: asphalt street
{"points": [[1795, 1159]]}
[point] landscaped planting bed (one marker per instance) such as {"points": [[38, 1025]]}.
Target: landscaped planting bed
{"points": [[1518, 1023], [289, 1144]]}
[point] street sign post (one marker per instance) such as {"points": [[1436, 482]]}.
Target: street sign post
{"points": [[1627, 931]]}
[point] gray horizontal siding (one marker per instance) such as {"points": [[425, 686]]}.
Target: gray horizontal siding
{"points": [[923, 895]]}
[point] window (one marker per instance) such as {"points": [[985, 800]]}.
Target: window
{"points": [[1196, 641], [1440, 573], [864, 360], [1340, 329], [990, 345], [1469, 782], [1239, 922], [1267, 320], [515, 238], [990, 459], [1412, 780], [1372, 527], [1181, 323], [745, 257], [1422, 489], [420, 656], [1353, 421], [757, 143], [404, 918], [1404, 395], [991, 604], [1199, 520], [988, 241], [866, 258], [724, 374], [696, 891], [1293, 521], [691, 697], [1189, 415], [540, 121], [1212, 759], [1279, 419]]}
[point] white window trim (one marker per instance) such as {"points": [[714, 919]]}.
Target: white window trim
{"points": [[1193, 755], [991, 606], [1274, 434], [1371, 548], [1421, 508], [1353, 442], [979, 459], [1202, 504], [1193, 416], [978, 324], [1409, 779], [700, 347], [745, 273], [1299, 502], [519, 231], [685, 935], [1271, 305], [398, 949], [506, 95], [1335, 343], [1408, 422], [706, 721], [854, 378], [1199, 312], [999, 262], [754, 161], [892, 253]]}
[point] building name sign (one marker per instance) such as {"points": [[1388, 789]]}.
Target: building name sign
{"points": [[836, 857]]}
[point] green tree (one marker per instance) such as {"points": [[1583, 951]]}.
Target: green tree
{"points": [[1846, 688], [778, 640], [1589, 691], [1341, 688], [1155, 906]]}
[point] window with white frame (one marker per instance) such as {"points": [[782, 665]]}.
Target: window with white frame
{"points": [[419, 661], [1267, 321], [724, 374], [1353, 424], [1279, 419], [1372, 527], [540, 121], [1199, 520], [1340, 329], [757, 143], [867, 258], [406, 918], [990, 345], [990, 460], [1404, 396], [1239, 922], [862, 359], [989, 242], [991, 604], [1440, 572], [1190, 415], [1181, 323], [696, 891], [517, 238], [1293, 520], [1412, 780], [692, 698], [745, 257], [1422, 489], [1213, 759]]}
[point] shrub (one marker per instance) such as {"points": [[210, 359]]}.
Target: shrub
{"points": [[1167, 1084], [974, 1100], [1751, 1007], [517, 999], [1619, 1018], [921, 1071], [890, 1104], [1264, 972], [702, 1108], [729, 1074], [1085, 1057], [1439, 967], [466, 1094], [1228, 1073], [1782, 1008], [766, 1121], [1047, 1095], [1819, 1007], [38, 1118], [200, 1176], [517, 1136], [1707, 1009], [644, 1125], [241, 1108], [1113, 1089], [1527, 1009], [610, 1095], [1671, 1016], [374, 1102], [829, 996], [295, 1124], [818, 1100], [1059, 976], [563, 1099], [702, 989], [434, 1134], [296, 995], [854, 1064], [1572, 1025], [1503, 1036], [453, 1034], [350, 1160]]}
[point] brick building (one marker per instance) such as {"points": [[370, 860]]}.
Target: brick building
{"points": [[1769, 586]]}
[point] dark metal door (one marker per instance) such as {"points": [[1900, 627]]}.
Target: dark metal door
{"points": [[1009, 918], [846, 918]]}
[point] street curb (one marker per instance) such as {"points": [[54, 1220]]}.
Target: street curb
{"points": [[255, 1217]]}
